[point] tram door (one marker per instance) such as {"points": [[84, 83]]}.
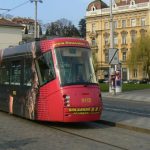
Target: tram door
{"points": [[4, 85], [15, 90], [21, 80], [10, 85]]}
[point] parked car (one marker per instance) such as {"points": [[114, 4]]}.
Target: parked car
{"points": [[124, 81], [144, 81], [134, 81], [103, 80]]}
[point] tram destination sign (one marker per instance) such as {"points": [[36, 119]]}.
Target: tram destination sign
{"points": [[113, 56]]}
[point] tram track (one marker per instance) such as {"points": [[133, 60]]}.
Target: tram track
{"points": [[85, 137]]}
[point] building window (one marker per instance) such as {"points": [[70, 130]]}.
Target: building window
{"points": [[142, 22], [93, 27], [135, 73], [106, 26], [93, 42], [123, 23], [144, 74], [133, 37], [124, 54], [124, 74], [114, 6], [31, 29], [93, 8], [115, 40], [124, 39], [133, 22], [143, 32], [115, 25], [106, 40], [132, 2], [106, 57]]}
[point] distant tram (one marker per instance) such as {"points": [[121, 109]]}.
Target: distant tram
{"points": [[50, 80]]}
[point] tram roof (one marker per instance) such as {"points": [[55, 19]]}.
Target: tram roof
{"points": [[27, 49], [17, 51]]}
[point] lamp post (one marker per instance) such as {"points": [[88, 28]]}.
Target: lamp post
{"points": [[111, 67], [111, 27], [115, 85], [36, 34]]}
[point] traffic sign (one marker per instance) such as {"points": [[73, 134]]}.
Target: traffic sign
{"points": [[113, 56]]}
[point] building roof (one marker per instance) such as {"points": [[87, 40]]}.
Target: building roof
{"points": [[127, 2], [23, 20], [5, 22], [98, 4]]}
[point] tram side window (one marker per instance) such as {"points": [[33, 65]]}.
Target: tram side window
{"points": [[4, 74], [27, 73], [15, 73], [46, 68]]}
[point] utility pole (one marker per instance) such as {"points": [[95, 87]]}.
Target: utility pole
{"points": [[36, 33]]}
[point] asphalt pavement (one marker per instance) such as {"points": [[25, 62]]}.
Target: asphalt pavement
{"points": [[126, 120]]}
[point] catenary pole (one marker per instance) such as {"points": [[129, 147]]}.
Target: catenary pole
{"points": [[36, 34]]}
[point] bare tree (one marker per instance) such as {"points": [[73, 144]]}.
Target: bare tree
{"points": [[62, 27]]}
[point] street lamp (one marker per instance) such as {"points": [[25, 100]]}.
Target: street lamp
{"points": [[35, 21]]}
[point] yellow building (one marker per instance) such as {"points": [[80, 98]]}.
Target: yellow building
{"points": [[131, 18]]}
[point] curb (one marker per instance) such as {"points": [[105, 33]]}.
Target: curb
{"points": [[124, 126]]}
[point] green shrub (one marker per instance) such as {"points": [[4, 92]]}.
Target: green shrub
{"points": [[126, 87]]}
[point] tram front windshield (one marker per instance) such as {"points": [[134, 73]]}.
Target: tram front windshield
{"points": [[75, 66]]}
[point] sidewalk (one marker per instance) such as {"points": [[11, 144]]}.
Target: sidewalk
{"points": [[137, 95], [125, 120]]}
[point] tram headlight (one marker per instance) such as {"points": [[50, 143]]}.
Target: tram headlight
{"points": [[66, 100], [67, 97]]}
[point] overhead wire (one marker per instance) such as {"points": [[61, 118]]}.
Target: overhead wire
{"points": [[24, 3]]}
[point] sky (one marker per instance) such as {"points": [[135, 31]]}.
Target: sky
{"points": [[49, 10]]}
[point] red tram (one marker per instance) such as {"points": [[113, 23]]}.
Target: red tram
{"points": [[50, 80]]}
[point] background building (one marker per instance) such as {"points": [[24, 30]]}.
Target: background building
{"points": [[16, 31], [131, 19], [10, 33], [28, 31]]}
